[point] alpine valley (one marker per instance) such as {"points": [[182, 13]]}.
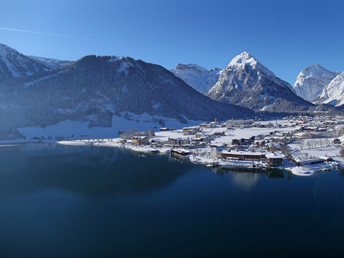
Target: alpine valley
{"points": [[114, 93], [101, 95]]}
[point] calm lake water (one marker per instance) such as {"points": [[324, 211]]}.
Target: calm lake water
{"points": [[94, 202]]}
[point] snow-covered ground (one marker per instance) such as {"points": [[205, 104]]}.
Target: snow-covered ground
{"points": [[309, 170], [217, 134], [307, 150], [67, 129], [78, 129], [300, 149]]}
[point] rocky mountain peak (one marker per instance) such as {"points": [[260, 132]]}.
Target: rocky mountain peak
{"points": [[312, 80], [194, 67], [246, 82], [198, 77], [245, 61], [242, 59], [333, 92]]}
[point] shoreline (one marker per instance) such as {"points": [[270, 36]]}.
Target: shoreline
{"points": [[308, 170], [237, 165], [301, 145]]}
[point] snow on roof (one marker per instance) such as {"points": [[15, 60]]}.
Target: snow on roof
{"points": [[139, 137], [179, 150], [243, 153], [273, 155], [309, 161]]}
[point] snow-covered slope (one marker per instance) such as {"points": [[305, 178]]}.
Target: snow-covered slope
{"points": [[50, 62], [312, 80], [333, 93], [197, 77], [15, 65], [247, 82]]}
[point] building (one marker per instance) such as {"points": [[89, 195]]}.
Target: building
{"points": [[336, 141], [178, 141], [220, 133], [243, 155], [156, 143], [190, 130], [140, 140], [243, 141], [180, 153], [301, 162], [274, 160]]}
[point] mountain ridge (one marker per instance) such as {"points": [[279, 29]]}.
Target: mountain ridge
{"points": [[311, 81], [247, 82], [333, 93], [50, 62], [198, 77], [95, 89], [15, 65], [103, 90]]}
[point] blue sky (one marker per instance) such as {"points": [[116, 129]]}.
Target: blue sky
{"points": [[285, 36]]}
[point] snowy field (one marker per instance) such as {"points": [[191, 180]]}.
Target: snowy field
{"points": [[218, 134], [78, 129], [304, 151]]}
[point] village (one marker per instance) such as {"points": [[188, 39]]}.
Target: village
{"points": [[300, 144]]}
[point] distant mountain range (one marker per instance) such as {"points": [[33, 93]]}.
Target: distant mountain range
{"points": [[246, 82], [97, 89], [321, 86], [312, 80], [112, 92], [333, 93]]}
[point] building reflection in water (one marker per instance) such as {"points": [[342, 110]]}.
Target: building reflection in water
{"points": [[247, 178]]}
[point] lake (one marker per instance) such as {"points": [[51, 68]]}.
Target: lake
{"points": [[97, 202]]}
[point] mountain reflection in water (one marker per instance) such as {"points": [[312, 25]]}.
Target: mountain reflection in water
{"points": [[83, 170]]}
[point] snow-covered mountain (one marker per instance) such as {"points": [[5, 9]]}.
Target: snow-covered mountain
{"points": [[100, 90], [199, 78], [16, 65], [247, 82], [312, 80], [50, 62], [333, 93]]}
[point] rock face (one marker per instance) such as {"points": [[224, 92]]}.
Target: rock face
{"points": [[94, 89], [312, 80], [197, 77], [333, 93], [246, 82]]}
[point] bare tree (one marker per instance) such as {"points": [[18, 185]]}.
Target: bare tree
{"points": [[150, 132], [302, 144], [285, 150], [340, 131], [322, 142], [308, 144]]}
